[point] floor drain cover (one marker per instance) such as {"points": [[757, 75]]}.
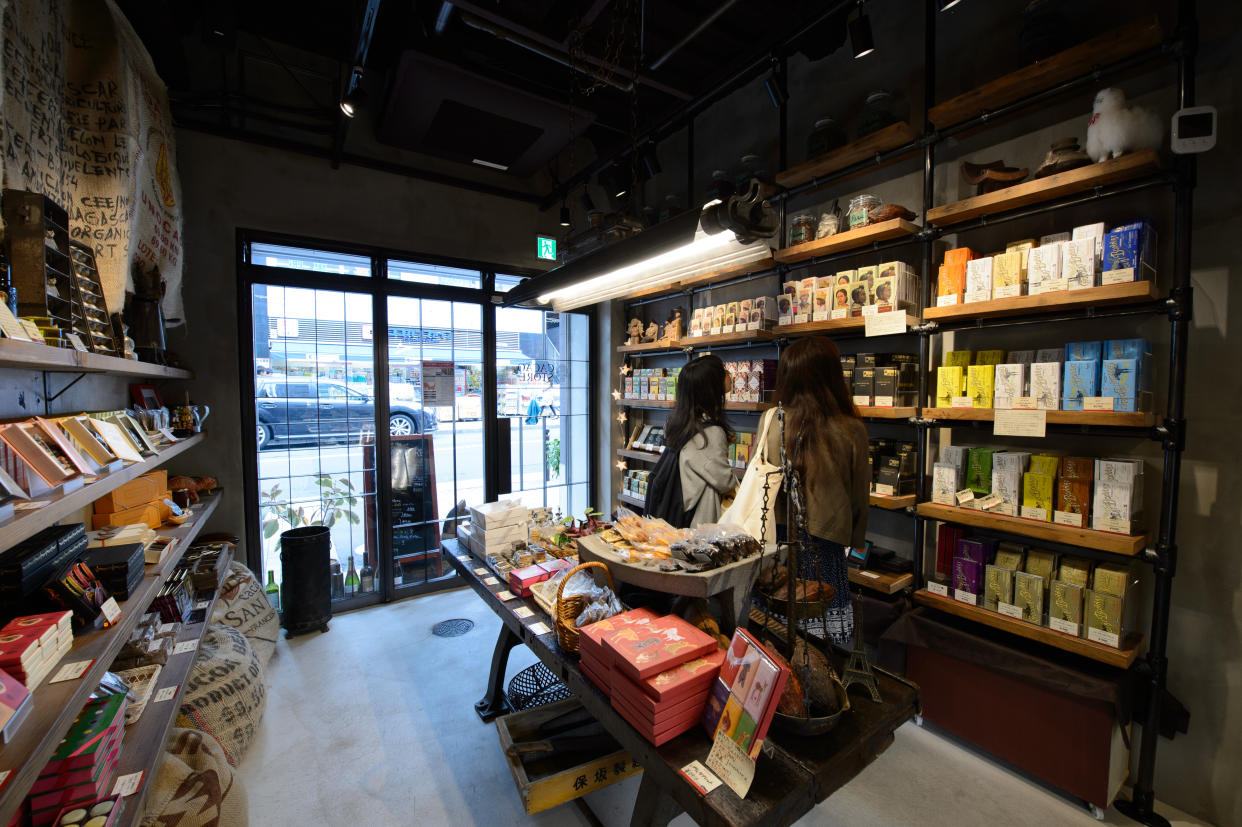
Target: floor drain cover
{"points": [[452, 628]]}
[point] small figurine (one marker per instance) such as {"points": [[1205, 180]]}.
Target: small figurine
{"points": [[653, 333], [1116, 129], [992, 176], [672, 328], [1064, 155], [634, 332]]}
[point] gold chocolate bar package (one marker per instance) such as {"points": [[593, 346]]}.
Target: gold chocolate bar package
{"points": [[1042, 563], [997, 586], [1066, 603], [1075, 570], [1028, 595]]}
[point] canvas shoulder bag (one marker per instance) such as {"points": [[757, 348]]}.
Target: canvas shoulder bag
{"points": [[746, 511]]}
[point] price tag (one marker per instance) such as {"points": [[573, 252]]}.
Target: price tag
{"points": [[1022, 403], [938, 588], [1020, 423], [989, 501], [1103, 637], [1009, 610], [1114, 526], [523, 611], [870, 310], [840, 313], [185, 646], [885, 324], [202, 604], [540, 628], [1065, 627], [946, 301], [862, 401], [884, 402], [884, 490], [11, 326], [964, 496], [965, 597], [164, 629], [961, 402], [480, 571], [1097, 403], [1068, 518], [165, 694], [1123, 275], [505, 594], [701, 777], [491, 581], [127, 785], [1053, 285], [110, 611], [71, 671], [32, 330], [1007, 291], [76, 341], [801, 319], [1030, 512], [870, 574], [942, 497]]}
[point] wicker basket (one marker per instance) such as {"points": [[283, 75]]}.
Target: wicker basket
{"points": [[568, 609]]}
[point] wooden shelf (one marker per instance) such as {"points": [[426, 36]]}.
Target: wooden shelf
{"points": [[1114, 419], [15, 353], [704, 280], [854, 324], [746, 337], [848, 240], [1134, 165], [1124, 544], [631, 500], [645, 347], [752, 407], [57, 704], [26, 524], [892, 503], [1131, 292], [881, 581], [645, 456], [643, 403], [870, 412], [890, 137], [1044, 74], [1120, 658], [144, 741]]}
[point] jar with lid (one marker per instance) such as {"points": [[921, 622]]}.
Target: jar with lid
{"points": [[825, 137], [802, 228], [879, 111], [857, 213], [721, 186]]}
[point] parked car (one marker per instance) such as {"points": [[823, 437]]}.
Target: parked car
{"points": [[291, 409]]}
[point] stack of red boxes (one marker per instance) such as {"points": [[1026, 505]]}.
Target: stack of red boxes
{"points": [[521, 580], [659, 670], [84, 765], [31, 646]]}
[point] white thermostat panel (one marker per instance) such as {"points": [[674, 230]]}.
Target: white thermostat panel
{"points": [[1194, 130]]}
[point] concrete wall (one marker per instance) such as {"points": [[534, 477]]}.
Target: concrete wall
{"points": [[1196, 772], [227, 184]]}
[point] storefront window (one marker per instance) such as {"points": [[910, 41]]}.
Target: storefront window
{"points": [[316, 261], [434, 274]]}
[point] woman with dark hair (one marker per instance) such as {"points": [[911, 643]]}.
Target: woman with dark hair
{"points": [[697, 434], [827, 445]]}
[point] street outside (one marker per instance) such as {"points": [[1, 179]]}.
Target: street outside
{"points": [[296, 469]]}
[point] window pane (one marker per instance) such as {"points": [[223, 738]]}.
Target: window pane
{"points": [[319, 261], [434, 274], [506, 283]]}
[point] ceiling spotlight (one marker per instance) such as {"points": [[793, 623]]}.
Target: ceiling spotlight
{"points": [[615, 180], [354, 95], [860, 34], [564, 215], [945, 5]]}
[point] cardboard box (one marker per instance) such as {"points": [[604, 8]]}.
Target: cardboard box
{"points": [[136, 492], [500, 513]]}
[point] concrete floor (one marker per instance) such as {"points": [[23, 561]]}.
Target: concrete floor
{"points": [[373, 724]]}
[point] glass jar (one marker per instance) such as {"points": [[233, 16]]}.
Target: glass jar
{"points": [[879, 111], [802, 228], [825, 137], [857, 213], [829, 223]]}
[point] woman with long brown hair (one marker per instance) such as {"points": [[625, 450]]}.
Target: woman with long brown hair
{"points": [[826, 444]]}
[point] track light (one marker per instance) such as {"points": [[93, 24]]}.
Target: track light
{"points": [[945, 5], [564, 215], [615, 180], [354, 94], [649, 162], [860, 34]]}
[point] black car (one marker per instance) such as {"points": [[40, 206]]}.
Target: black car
{"points": [[290, 409]]}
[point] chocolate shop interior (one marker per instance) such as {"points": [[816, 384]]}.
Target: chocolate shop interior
{"points": [[359, 461]]}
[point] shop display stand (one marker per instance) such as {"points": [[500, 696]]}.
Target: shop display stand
{"points": [[1079, 70]]}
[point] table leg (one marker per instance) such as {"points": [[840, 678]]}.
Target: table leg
{"points": [[494, 702], [654, 807]]}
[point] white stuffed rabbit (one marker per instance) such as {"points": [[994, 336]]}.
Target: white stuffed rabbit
{"points": [[1116, 129]]}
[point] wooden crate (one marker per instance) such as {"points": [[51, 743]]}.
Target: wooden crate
{"points": [[562, 780]]}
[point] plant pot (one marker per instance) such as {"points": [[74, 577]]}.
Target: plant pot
{"points": [[307, 598]]}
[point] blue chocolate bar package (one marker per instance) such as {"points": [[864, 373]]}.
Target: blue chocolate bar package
{"points": [[1119, 379], [1127, 349], [1081, 379], [1130, 253], [1084, 351]]}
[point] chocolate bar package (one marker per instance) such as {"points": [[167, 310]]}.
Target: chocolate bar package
{"points": [[1082, 379], [961, 358], [1078, 263], [946, 482], [990, 357], [950, 383], [1112, 579], [979, 279], [1043, 268], [1129, 253], [977, 550], [1054, 238], [979, 385], [1106, 618], [1009, 555], [1007, 484], [1079, 468], [1095, 232], [1044, 464], [979, 470], [958, 455], [1038, 491], [1041, 563], [1065, 603], [1075, 570], [1008, 275], [967, 576], [1122, 380], [1084, 351], [997, 587], [1019, 461], [1074, 497], [1028, 595], [1046, 385], [1021, 357], [1010, 382], [1115, 507]]}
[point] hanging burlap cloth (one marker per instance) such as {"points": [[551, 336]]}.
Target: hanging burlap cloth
{"points": [[225, 694], [195, 786], [244, 605]]}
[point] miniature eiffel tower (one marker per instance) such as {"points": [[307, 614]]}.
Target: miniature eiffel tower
{"points": [[857, 668]]}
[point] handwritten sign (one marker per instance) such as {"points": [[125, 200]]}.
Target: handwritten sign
{"points": [[127, 785], [1031, 512], [1065, 627], [71, 671], [1009, 610], [1023, 403], [1020, 423], [964, 496], [885, 324], [523, 611], [1067, 518], [165, 694], [732, 764], [937, 588], [946, 301], [540, 628], [1106, 638], [10, 326], [701, 777], [185, 646], [505, 594], [1097, 403], [965, 597], [961, 402]]}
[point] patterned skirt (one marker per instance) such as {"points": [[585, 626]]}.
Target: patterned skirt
{"points": [[823, 560]]}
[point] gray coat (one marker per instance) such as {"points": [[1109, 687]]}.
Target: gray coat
{"points": [[705, 474]]}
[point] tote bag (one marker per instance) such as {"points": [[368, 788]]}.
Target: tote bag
{"points": [[747, 508]]}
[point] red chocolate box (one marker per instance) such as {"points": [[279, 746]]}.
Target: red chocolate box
{"points": [[591, 638], [520, 580], [644, 650]]}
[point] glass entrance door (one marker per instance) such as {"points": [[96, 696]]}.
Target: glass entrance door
{"points": [[314, 414]]}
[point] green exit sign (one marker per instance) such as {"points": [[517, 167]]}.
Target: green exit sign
{"points": [[547, 248]]}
